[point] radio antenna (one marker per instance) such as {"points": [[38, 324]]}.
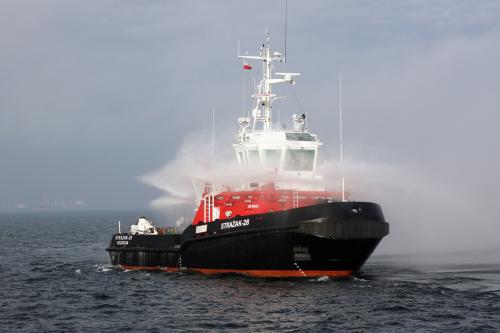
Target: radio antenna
{"points": [[213, 138], [341, 138], [286, 23]]}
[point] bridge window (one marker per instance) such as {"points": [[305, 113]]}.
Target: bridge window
{"points": [[299, 137], [240, 156], [299, 160], [272, 158], [253, 158]]}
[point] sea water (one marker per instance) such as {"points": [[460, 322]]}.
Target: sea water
{"points": [[55, 276]]}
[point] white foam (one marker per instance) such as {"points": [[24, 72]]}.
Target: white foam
{"points": [[103, 268]]}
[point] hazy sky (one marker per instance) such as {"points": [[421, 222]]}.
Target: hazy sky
{"points": [[96, 94]]}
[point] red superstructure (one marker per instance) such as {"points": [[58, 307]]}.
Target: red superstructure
{"points": [[261, 199]]}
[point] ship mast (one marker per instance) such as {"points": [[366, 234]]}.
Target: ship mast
{"points": [[262, 112], [266, 100]]}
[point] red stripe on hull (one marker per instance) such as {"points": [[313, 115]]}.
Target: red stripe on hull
{"points": [[274, 273], [249, 272], [149, 268]]}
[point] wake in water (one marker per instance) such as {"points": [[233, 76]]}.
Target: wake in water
{"points": [[103, 268]]}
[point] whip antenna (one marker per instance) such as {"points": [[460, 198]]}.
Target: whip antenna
{"points": [[213, 138], [341, 138], [286, 19]]}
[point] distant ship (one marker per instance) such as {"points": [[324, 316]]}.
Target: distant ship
{"points": [[288, 227]]}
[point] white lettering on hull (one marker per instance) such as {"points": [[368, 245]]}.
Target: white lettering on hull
{"points": [[234, 224], [122, 239], [201, 228]]}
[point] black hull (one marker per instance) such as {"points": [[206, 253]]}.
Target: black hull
{"points": [[333, 239]]}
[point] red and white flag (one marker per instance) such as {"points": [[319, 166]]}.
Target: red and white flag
{"points": [[246, 65]]}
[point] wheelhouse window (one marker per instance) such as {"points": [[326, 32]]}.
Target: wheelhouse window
{"points": [[240, 157], [272, 158], [253, 158], [299, 137], [299, 160]]}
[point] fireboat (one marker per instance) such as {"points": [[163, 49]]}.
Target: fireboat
{"points": [[292, 226]]}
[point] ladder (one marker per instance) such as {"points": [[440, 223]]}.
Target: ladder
{"points": [[208, 207]]}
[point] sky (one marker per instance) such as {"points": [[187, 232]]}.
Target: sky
{"points": [[96, 95]]}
